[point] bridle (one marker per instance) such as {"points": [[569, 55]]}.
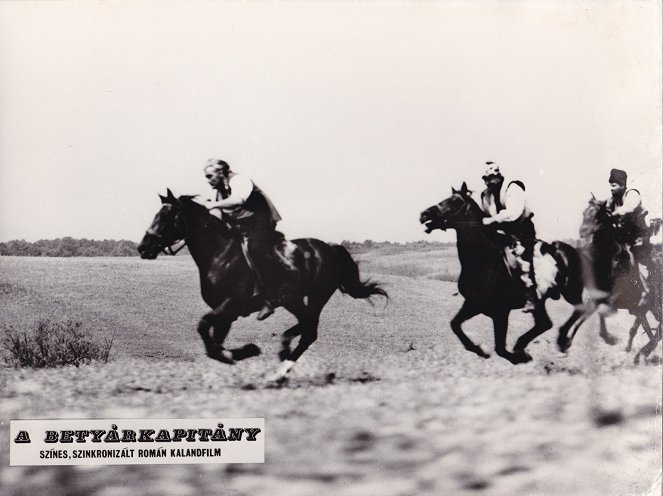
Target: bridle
{"points": [[466, 206], [172, 248], [168, 248]]}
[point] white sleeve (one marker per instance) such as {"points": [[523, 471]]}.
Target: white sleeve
{"points": [[241, 188], [631, 202], [514, 200]]}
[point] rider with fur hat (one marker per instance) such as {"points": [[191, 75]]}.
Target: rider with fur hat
{"points": [[505, 205], [625, 206]]}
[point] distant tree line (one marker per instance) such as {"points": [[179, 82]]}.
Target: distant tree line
{"points": [[369, 245], [70, 247]]}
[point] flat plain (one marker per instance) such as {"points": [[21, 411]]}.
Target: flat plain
{"points": [[387, 402]]}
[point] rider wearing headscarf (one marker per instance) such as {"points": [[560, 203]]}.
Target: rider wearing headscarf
{"points": [[625, 206], [505, 205], [249, 210]]}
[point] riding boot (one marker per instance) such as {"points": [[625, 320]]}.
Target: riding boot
{"points": [[258, 287]]}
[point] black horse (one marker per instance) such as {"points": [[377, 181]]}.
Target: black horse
{"points": [[612, 278], [486, 282], [316, 270]]}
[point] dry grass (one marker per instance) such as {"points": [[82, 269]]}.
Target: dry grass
{"points": [[439, 264], [386, 401]]}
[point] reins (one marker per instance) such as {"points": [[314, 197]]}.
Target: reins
{"points": [[168, 249]]}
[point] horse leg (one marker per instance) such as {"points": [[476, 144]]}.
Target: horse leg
{"points": [[500, 327], [466, 312], [651, 346], [542, 323], [286, 339], [603, 332], [586, 314], [297, 308], [631, 333], [219, 321], [563, 340], [653, 339], [309, 333]]}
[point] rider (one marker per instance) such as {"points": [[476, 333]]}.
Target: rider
{"points": [[504, 203], [625, 206], [253, 214]]}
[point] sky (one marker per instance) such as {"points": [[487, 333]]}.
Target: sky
{"points": [[352, 116]]}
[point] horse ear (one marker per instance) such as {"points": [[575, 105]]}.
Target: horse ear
{"points": [[163, 199], [593, 197], [171, 197], [463, 189], [453, 191]]}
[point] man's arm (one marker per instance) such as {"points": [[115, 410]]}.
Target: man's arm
{"points": [[514, 199], [241, 187], [631, 201]]}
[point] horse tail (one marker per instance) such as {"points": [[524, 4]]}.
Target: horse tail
{"points": [[349, 281]]}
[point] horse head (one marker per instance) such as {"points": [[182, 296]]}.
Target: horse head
{"points": [[458, 209], [596, 219], [167, 228], [604, 257]]}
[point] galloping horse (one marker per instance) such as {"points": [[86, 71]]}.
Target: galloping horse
{"points": [[612, 279], [317, 270], [485, 280]]}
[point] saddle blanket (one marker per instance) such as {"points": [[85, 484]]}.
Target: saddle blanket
{"points": [[545, 268]]}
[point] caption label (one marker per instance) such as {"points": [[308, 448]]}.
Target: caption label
{"points": [[136, 441]]}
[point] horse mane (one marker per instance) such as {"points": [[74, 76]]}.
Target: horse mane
{"points": [[476, 208], [594, 218], [472, 204], [190, 205]]}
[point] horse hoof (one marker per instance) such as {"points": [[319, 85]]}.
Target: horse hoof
{"points": [[563, 345], [284, 354], [521, 356], [479, 351], [226, 357], [246, 351], [277, 381]]}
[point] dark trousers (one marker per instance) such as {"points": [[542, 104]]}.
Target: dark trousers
{"points": [[258, 234], [523, 231]]}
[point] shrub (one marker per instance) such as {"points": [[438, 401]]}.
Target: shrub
{"points": [[54, 344]]}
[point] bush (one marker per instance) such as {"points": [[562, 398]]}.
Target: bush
{"points": [[54, 344]]}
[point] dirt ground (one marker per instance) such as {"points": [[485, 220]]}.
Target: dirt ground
{"points": [[386, 402]]}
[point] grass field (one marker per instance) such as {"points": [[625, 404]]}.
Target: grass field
{"points": [[386, 402]]}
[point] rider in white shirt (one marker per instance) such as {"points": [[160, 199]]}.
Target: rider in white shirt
{"points": [[252, 213], [625, 206], [505, 206]]}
